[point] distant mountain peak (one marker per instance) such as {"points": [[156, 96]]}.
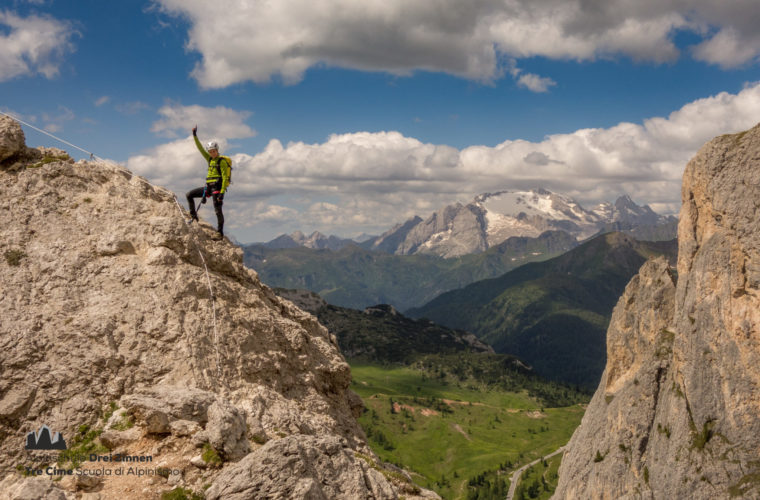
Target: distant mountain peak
{"points": [[626, 203], [493, 217], [315, 240], [624, 200]]}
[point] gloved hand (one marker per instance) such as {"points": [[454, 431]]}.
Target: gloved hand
{"points": [[203, 200], [195, 130], [219, 195]]}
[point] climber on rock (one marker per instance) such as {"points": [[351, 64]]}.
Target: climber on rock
{"points": [[217, 181]]}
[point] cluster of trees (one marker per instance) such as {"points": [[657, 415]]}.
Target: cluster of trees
{"points": [[434, 404], [543, 428], [481, 487], [535, 483], [533, 489], [377, 436], [499, 371], [492, 485]]}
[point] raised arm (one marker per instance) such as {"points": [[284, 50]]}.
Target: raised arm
{"points": [[199, 145]]}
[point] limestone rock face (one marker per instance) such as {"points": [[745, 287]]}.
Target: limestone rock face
{"points": [[13, 488], [11, 138], [607, 454], [677, 413], [453, 231], [301, 468], [226, 430], [107, 308]]}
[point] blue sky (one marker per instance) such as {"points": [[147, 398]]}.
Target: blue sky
{"points": [[348, 117]]}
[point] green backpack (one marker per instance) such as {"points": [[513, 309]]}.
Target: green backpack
{"points": [[219, 167]]}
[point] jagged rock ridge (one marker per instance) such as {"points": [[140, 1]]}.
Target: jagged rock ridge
{"points": [[677, 412], [315, 240], [107, 310], [492, 218], [382, 334]]}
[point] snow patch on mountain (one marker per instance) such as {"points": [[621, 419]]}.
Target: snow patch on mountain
{"points": [[529, 213], [499, 227]]}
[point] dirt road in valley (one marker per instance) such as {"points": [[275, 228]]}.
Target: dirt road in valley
{"points": [[515, 476]]}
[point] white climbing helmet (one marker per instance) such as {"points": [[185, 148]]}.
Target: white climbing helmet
{"points": [[212, 145]]}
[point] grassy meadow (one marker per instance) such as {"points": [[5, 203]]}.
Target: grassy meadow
{"points": [[450, 436]]}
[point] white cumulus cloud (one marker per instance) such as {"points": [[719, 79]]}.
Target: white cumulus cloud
{"points": [[176, 164], [368, 181], [219, 122], [33, 45], [535, 83], [259, 40], [728, 48]]}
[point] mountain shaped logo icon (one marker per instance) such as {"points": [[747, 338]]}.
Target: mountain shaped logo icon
{"points": [[45, 439]]}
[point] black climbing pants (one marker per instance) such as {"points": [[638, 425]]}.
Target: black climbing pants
{"points": [[218, 200]]}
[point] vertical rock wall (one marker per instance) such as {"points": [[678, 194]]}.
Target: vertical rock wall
{"points": [[677, 413]]}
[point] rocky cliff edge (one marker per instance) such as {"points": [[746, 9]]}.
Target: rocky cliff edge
{"points": [[113, 334], [677, 413]]}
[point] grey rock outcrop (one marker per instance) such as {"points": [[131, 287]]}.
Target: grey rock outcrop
{"points": [[226, 430], [11, 139], [184, 427], [15, 156], [450, 232], [301, 468], [305, 299], [677, 413], [112, 439], [16, 488], [106, 304], [391, 240], [180, 403]]}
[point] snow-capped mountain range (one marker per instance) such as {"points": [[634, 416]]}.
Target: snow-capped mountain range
{"points": [[492, 218]]}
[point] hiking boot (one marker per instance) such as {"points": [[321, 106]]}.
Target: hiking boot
{"points": [[217, 236]]}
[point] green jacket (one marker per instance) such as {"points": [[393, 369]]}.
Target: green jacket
{"points": [[213, 169]]}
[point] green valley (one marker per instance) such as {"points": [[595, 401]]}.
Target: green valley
{"points": [[552, 314], [355, 277], [451, 433], [441, 404]]}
